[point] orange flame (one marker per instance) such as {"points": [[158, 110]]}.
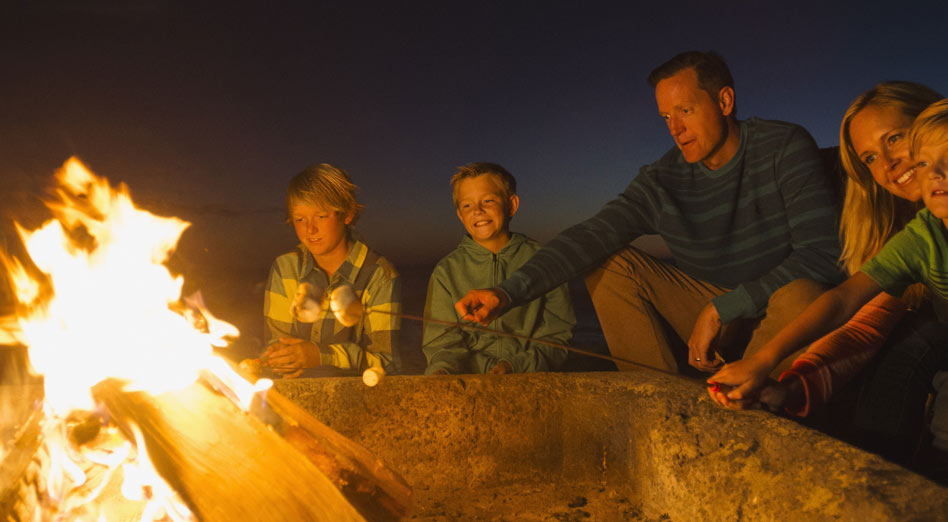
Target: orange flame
{"points": [[105, 305]]}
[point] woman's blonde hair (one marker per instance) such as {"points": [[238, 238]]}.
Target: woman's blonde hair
{"points": [[871, 215], [324, 186]]}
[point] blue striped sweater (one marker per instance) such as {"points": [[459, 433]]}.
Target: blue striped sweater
{"points": [[765, 218]]}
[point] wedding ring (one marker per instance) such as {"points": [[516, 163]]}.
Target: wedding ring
{"points": [[697, 359]]}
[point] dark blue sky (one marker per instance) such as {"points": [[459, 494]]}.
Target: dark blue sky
{"points": [[207, 112]]}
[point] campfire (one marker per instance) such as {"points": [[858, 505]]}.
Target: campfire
{"points": [[135, 399]]}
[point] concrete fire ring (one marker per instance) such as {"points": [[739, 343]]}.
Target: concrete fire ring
{"points": [[639, 445]]}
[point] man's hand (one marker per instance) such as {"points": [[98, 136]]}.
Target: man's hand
{"points": [[482, 305], [289, 356], [701, 353]]}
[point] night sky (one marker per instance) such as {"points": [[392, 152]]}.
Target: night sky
{"points": [[207, 112]]}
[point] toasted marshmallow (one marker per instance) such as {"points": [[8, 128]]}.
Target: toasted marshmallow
{"points": [[372, 376], [346, 305], [305, 307]]}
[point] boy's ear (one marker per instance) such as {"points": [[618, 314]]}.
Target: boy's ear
{"points": [[512, 205], [349, 217]]}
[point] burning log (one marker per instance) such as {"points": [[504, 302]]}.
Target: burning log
{"points": [[224, 464], [373, 488]]}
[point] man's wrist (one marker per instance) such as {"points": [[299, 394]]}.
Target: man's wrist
{"points": [[502, 298]]}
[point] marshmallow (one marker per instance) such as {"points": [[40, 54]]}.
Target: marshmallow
{"points": [[305, 307], [346, 305], [372, 376]]}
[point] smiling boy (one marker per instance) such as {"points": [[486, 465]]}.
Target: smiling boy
{"points": [[485, 199], [322, 208]]}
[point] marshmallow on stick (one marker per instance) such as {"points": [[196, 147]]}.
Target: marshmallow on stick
{"points": [[372, 376], [305, 307], [346, 305]]}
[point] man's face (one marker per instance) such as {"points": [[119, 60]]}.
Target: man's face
{"points": [[695, 120], [932, 177]]}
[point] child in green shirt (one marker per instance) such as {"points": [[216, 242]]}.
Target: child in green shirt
{"points": [[485, 197]]}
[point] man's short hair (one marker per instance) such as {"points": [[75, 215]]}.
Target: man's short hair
{"points": [[930, 127], [713, 72], [324, 186], [472, 170]]}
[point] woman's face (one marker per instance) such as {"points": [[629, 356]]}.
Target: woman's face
{"points": [[879, 136]]}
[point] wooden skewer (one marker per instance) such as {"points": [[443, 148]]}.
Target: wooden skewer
{"points": [[474, 326]]}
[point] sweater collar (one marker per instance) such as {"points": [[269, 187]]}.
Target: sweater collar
{"points": [[735, 160]]}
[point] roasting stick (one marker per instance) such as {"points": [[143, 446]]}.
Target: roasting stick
{"points": [[474, 326], [348, 309]]}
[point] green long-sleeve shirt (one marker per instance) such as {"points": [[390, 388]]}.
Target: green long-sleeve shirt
{"points": [[762, 220], [549, 316]]}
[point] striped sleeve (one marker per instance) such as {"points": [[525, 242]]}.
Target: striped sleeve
{"points": [[582, 246]]}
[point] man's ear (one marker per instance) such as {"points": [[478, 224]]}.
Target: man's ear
{"points": [[726, 100], [512, 205]]}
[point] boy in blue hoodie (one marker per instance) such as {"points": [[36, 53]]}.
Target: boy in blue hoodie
{"points": [[485, 197]]}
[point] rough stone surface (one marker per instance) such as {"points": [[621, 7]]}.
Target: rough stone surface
{"points": [[607, 446]]}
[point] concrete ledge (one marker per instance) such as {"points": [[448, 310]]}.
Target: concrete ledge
{"points": [[652, 442]]}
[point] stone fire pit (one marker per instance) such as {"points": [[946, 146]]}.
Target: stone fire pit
{"points": [[607, 446]]}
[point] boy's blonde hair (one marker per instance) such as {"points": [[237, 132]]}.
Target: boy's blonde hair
{"points": [[930, 127], [324, 186], [472, 170], [871, 215]]}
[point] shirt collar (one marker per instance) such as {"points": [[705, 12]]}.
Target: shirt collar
{"points": [[348, 270]]}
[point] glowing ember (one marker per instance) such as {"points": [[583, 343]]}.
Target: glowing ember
{"points": [[107, 306]]}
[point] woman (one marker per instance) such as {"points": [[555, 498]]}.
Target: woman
{"points": [[881, 197]]}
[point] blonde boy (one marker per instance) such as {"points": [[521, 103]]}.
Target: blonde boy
{"points": [[322, 208], [485, 199]]}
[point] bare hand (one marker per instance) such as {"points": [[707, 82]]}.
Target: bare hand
{"points": [[701, 349], [289, 356], [774, 396], [501, 368], [482, 305], [741, 383]]}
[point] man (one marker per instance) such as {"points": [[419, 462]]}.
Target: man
{"points": [[745, 210]]}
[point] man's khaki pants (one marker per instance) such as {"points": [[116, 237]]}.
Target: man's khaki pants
{"points": [[647, 309]]}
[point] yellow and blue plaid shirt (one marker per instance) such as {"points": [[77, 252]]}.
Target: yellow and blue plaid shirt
{"points": [[371, 341]]}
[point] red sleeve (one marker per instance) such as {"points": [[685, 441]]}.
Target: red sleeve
{"points": [[833, 360]]}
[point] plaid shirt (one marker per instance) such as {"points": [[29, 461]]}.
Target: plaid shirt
{"points": [[371, 341]]}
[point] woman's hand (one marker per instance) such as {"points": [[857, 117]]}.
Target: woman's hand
{"points": [[289, 356], [739, 384]]}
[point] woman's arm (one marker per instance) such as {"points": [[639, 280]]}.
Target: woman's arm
{"points": [[834, 359], [747, 376]]}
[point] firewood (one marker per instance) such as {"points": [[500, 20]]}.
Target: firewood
{"points": [[377, 491], [226, 465]]}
